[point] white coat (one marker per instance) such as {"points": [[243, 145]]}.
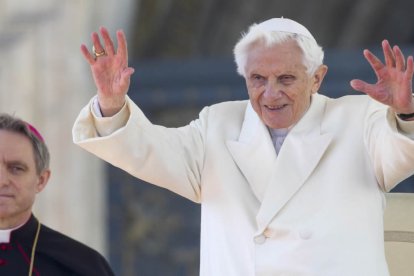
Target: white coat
{"points": [[315, 209]]}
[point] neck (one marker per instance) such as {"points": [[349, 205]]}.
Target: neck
{"points": [[13, 222]]}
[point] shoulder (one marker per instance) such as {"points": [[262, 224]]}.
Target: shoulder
{"points": [[70, 252], [55, 238], [351, 103], [224, 115], [231, 105], [227, 111], [346, 100], [352, 111]]}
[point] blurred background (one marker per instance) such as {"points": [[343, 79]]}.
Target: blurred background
{"points": [[182, 53]]}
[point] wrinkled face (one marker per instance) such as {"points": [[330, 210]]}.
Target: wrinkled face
{"points": [[19, 181], [278, 85]]}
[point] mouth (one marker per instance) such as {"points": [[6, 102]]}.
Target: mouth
{"points": [[276, 107]]}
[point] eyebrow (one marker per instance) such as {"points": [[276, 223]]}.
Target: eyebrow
{"points": [[16, 163]]}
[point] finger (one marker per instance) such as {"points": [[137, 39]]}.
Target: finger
{"points": [[128, 72], [97, 43], [122, 45], [399, 58], [109, 45], [360, 85], [368, 89], [87, 55], [126, 76], [375, 62], [410, 68], [388, 54]]}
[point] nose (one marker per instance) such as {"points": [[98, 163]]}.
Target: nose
{"points": [[273, 91], [3, 176]]}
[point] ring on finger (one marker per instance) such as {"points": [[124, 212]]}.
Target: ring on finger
{"points": [[98, 54]]}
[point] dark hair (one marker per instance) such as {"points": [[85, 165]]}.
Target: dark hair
{"points": [[40, 150]]}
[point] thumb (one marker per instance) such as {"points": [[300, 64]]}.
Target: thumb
{"points": [[360, 86], [126, 75], [127, 72]]}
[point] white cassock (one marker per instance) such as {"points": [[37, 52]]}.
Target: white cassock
{"points": [[315, 208]]}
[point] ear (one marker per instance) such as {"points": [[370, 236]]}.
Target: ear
{"points": [[42, 180], [318, 77]]}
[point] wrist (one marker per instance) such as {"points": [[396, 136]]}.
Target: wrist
{"points": [[408, 113], [110, 107]]}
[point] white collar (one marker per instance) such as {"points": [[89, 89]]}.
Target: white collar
{"points": [[5, 234], [279, 132]]}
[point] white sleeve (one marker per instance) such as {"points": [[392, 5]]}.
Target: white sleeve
{"points": [[107, 125], [406, 127], [171, 158], [390, 145]]}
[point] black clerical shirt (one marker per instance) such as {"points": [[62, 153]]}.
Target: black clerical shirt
{"points": [[55, 255]]}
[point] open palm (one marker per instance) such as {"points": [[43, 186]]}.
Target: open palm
{"points": [[110, 70], [394, 79]]}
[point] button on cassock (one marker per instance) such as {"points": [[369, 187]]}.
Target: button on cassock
{"points": [[260, 239]]}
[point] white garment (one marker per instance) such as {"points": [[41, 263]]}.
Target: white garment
{"points": [[315, 210]]}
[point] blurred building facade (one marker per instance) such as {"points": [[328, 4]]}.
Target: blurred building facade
{"points": [[44, 80], [182, 52]]}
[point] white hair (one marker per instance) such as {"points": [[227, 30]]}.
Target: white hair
{"points": [[312, 52]]}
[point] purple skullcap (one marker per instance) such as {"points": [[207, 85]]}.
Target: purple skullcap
{"points": [[35, 132]]}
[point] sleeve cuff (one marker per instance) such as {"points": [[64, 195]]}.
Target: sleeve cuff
{"points": [[406, 127], [107, 125]]}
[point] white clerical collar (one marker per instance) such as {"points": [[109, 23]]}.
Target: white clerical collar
{"points": [[278, 137], [279, 132], [5, 234]]}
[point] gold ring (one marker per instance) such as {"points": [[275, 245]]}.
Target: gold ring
{"points": [[102, 53]]}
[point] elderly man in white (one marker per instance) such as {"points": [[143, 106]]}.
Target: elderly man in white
{"points": [[290, 182]]}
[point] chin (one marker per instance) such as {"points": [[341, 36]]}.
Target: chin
{"points": [[277, 123], [276, 126]]}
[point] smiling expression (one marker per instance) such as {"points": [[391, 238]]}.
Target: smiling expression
{"points": [[278, 84]]}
